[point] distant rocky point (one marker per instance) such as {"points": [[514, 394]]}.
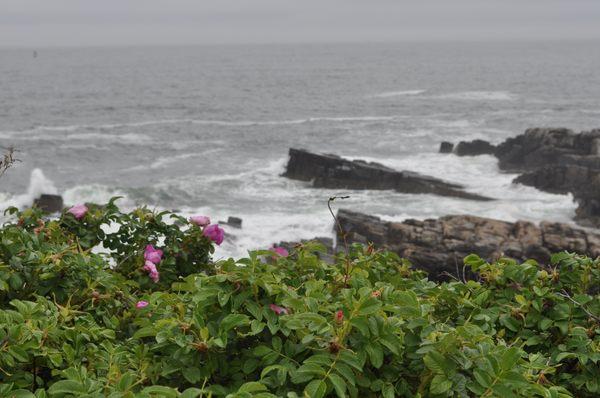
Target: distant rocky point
{"points": [[555, 160], [332, 171]]}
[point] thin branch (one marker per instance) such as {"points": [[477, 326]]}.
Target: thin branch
{"points": [[565, 294], [8, 160], [342, 234]]}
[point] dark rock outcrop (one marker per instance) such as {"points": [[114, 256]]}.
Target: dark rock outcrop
{"points": [[446, 147], [555, 160], [331, 171], [582, 182], [558, 161], [49, 203], [438, 246], [541, 147], [234, 222], [474, 148]]}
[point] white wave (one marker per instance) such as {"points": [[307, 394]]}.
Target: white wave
{"points": [[95, 193], [479, 96], [390, 94], [129, 138], [478, 174], [38, 184], [241, 123], [120, 138], [167, 160]]}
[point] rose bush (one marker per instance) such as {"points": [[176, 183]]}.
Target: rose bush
{"points": [[81, 317]]}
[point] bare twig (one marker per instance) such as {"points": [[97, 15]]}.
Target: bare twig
{"points": [[337, 222], [565, 294], [8, 160], [342, 234]]}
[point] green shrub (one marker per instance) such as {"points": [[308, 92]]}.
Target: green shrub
{"points": [[269, 326]]}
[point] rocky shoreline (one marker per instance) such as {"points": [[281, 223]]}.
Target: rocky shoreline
{"points": [[553, 160], [439, 245]]}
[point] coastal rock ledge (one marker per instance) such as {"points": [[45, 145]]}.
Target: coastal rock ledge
{"points": [[438, 246], [331, 171]]}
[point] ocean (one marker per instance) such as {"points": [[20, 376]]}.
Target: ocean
{"points": [[206, 129]]}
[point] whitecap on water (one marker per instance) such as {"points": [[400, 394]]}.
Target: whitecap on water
{"points": [[401, 93], [479, 96]]}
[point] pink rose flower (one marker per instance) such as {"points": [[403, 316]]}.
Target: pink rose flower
{"points": [[339, 316], [201, 221], [150, 267], [214, 233], [152, 254], [281, 251], [78, 211], [279, 310], [141, 304]]}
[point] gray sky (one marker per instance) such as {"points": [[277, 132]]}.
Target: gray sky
{"points": [[130, 22]]}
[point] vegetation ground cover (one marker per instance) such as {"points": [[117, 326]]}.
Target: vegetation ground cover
{"points": [[100, 302]]}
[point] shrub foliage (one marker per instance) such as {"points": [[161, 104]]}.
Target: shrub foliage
{"points": [[270, 326]]}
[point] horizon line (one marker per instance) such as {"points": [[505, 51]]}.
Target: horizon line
{"points": [[307, 43]]}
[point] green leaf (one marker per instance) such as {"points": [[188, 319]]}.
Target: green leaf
{"points": [[437, 363], [375, 354], [440, 384], [315, 389], [482, 378], [252, 386], [545, 323], [388, 391], [67, 387], [192, 374], [161, 391], [351, 359], [21, 394], [192, 393], [510, 358], [338, 384], [345, 371], [362, 324], [18, 353], [233, 320], [126, 381], [369, 306]]}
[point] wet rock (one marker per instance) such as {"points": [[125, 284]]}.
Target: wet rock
{"points": [[49, 203], [474, 148], [331, 171], [446, 147], [559, 179], [540, 147], [234, 222], [438, 246]]}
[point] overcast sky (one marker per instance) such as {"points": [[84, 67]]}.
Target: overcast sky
{"points": [[145, 22]]}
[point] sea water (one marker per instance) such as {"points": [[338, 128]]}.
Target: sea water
{"points": [[206, 129]]}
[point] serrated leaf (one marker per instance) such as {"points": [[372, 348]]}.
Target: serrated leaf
{"points": [[440, 384], [315, 389], [339, 384], [375, 354]]}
